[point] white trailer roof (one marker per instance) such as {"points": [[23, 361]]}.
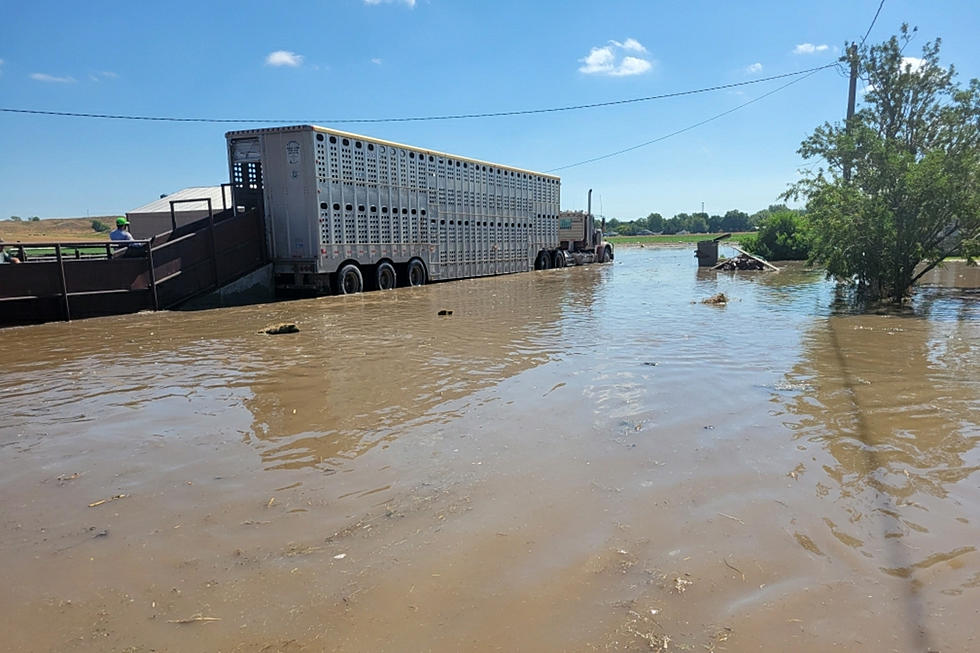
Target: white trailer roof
{"points": [[162, 205], [268, 130]]}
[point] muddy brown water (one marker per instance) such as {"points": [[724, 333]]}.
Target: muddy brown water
{"points": [[579, 459]]}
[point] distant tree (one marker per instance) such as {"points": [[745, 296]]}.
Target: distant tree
{"points": [[735, 220], [35, 219], [677, 223], [99, 226], [655, 222], [698, 223], [16, 218], [913, 153]]}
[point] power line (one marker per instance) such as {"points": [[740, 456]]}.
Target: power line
{"points": [[873, 21], [689, 127], [462, 116], [723, 113]]}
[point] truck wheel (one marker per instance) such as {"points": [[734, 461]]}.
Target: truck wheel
{"points": [[349, 280], [544, 261], [560, 259], [384, 276], [609, 255], [416, 273]]}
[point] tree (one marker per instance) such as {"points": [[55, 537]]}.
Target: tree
{"points": [[782, 236], [655, 222], [913, 157], [16, 218], [698, 224], [735, 220]]}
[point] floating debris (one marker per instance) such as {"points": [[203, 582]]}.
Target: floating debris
{"points": [[720, 298], [112, 498], [283, 327], [445, 313], [193, 619], [681, 584], [744, 261]]}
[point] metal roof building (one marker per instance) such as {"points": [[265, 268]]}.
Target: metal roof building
{"points": [[154, 218]]}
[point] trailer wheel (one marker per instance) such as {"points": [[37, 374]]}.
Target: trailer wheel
{"points": [[416, 273], [560, 261], [349, 280], [544, 261], [384, 276]]}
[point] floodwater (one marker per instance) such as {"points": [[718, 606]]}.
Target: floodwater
{"points": [[580, 459]]}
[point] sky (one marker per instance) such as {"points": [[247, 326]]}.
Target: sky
{"points": [[322, 62]]}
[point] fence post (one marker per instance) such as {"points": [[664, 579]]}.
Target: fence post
{"points": [[214, 246], [153, 276], [64, 282]]}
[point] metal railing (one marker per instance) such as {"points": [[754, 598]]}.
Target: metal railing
{"points": [[65, 280]]}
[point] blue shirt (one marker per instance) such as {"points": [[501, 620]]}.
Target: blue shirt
{"points": [[120, 234]]}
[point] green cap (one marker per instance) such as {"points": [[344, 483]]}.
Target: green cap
{"points": [[121, 222]]}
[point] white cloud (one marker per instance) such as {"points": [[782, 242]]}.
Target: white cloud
{"points": [[631, 66], [377, 61], [410, 3], [809, 48], [44, 77], [754, 68], [912, 64], [605, 60], [284, 58], [630, 44], [105, 74]]}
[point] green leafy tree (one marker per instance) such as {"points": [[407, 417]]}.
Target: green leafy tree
{"points": [[898, 190], [698, 224], [16, 218], [782, 236], [655, 222], [735, 220], [99, 226]]}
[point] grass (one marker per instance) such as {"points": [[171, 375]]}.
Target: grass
{"points": [[52, 230], [672, 238]]}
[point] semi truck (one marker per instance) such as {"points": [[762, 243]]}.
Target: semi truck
{"points": [[346, 213]]}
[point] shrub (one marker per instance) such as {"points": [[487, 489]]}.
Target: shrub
{"points": [[100, 226], [782, 236]]}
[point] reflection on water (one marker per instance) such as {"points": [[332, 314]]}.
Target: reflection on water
{"points": [[372, 366], [575, 459]]}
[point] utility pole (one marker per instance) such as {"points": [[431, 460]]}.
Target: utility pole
{"points": [[851, 92]]}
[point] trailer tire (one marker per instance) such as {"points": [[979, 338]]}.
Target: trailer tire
{"points": [[416, 273], [608, 254], [385, 277], [543, 261], [560, 261], [349, 280]]}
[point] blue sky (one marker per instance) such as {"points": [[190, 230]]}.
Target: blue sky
{"points": [[305, 61]]}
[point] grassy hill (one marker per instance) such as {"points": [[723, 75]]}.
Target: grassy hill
{"points": [[53, 230]]}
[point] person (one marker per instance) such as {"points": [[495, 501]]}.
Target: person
{"points": [[121, 232], [5, 256]]}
